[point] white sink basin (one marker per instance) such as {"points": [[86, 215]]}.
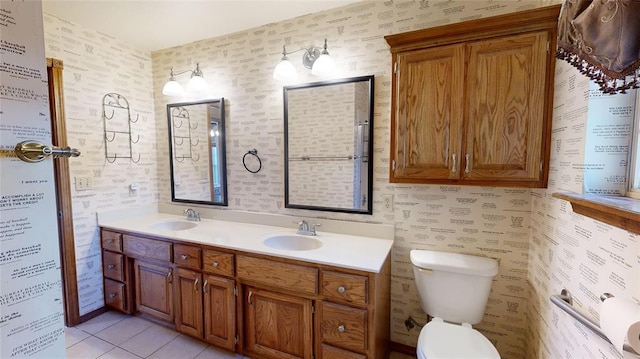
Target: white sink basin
{"points": [[175, 225], [292, 242]]}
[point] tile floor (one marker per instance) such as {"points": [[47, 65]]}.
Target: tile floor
{"points": [[114, 335]]}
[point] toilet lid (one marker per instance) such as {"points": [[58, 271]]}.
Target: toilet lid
{"points": [[443, 340]]}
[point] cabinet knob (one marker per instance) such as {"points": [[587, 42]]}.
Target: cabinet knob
{"points": [[342, 289], [110, 266], [466, 166], [341, 328], [112, 295], [184, 257], [454, 166], [215, 264]]}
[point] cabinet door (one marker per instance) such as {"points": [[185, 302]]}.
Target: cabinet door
{"points": [[188, 302], [219, 311], [154, 290], [428, 114], [276, 325], [506, 80]]}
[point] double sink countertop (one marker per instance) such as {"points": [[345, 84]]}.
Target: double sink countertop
{"points": [[341, 250]]}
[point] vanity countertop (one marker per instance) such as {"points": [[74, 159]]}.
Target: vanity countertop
{"points": [[342, 250]]}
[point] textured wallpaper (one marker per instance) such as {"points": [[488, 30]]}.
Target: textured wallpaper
{"points": [[95, 65], [541, 245], [485, 221], [569, 251]]}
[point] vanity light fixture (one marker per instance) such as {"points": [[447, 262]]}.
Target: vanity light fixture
{"points": [[314, 58], [197, 86]]}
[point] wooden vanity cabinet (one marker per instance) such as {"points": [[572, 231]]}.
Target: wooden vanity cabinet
{"points": [[116, 274], [152, 275], [277, 325], [259, 306], [220, 311], [154, 290], [205, 303], [189, 305], [472, 101], [347, 310]]}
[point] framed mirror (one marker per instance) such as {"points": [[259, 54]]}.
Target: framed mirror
{"points": [[197, 150], [328, 144]]}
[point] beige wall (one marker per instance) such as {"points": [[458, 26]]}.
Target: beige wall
{"points": [[94, 65], [568, 250], [541, 244], [477, 220]]}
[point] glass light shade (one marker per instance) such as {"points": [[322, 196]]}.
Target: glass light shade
{"points": [[172, 88], [285, 71], [323, 66], [197, 86]]}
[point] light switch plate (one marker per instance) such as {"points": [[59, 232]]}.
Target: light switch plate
{"points": [[387, 202], [83, 183]]}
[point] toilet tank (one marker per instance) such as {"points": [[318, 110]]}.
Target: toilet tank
{"points": [[453, 286]]}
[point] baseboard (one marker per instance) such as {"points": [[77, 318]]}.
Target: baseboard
{"points": [[403, 349], [91, 315]]}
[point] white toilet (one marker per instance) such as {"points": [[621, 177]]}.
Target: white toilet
{"points": [[453, 289]]}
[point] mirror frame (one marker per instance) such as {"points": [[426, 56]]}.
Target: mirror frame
{"points": [[223, 151], [369, 209]]}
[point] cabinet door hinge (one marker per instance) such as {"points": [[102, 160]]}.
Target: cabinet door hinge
{"points": [[235, 290], [395, 67], [541, 165], [393, 165], [235, 339], [548, 46], [60, 215]]}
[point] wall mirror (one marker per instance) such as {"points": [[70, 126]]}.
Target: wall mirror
{"points": [[197, 150], [328, 144]]}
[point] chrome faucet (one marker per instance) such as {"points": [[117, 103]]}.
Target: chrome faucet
{"points": [[306, 229], [192, 215]]}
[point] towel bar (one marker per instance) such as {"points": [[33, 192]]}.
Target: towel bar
{"points": [[564, 301]]}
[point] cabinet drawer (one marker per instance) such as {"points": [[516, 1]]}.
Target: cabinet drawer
{"points": [[147, 248], [113, 265], [112, 241], [286, 276], [215, 262], [114, 294], [343, 326], [344, 287], [186, 256], [329, 352]]}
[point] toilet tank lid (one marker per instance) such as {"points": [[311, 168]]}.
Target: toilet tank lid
{"points": [[454, 262]]}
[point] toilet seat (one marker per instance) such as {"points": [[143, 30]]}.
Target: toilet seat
{"points": [[440, 340]]}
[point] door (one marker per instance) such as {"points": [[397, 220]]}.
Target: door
{"points": [[154, 290], [428, 114], [277, 325], [188, 302], [219, 311], [32, 310], [63, 195], [505, 130]]}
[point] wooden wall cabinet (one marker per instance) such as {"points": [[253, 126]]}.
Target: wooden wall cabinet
{"points": [[287, 308], [472, 102]]}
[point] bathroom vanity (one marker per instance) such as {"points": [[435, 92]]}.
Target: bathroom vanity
{"points": [[219, 282]]}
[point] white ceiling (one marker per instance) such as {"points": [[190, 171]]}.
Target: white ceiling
{"points": [[159, 24]]}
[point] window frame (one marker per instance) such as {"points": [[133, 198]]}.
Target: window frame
{"points": [[633, 166]]}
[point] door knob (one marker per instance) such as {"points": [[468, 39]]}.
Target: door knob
{"points": [[34, 151]]}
